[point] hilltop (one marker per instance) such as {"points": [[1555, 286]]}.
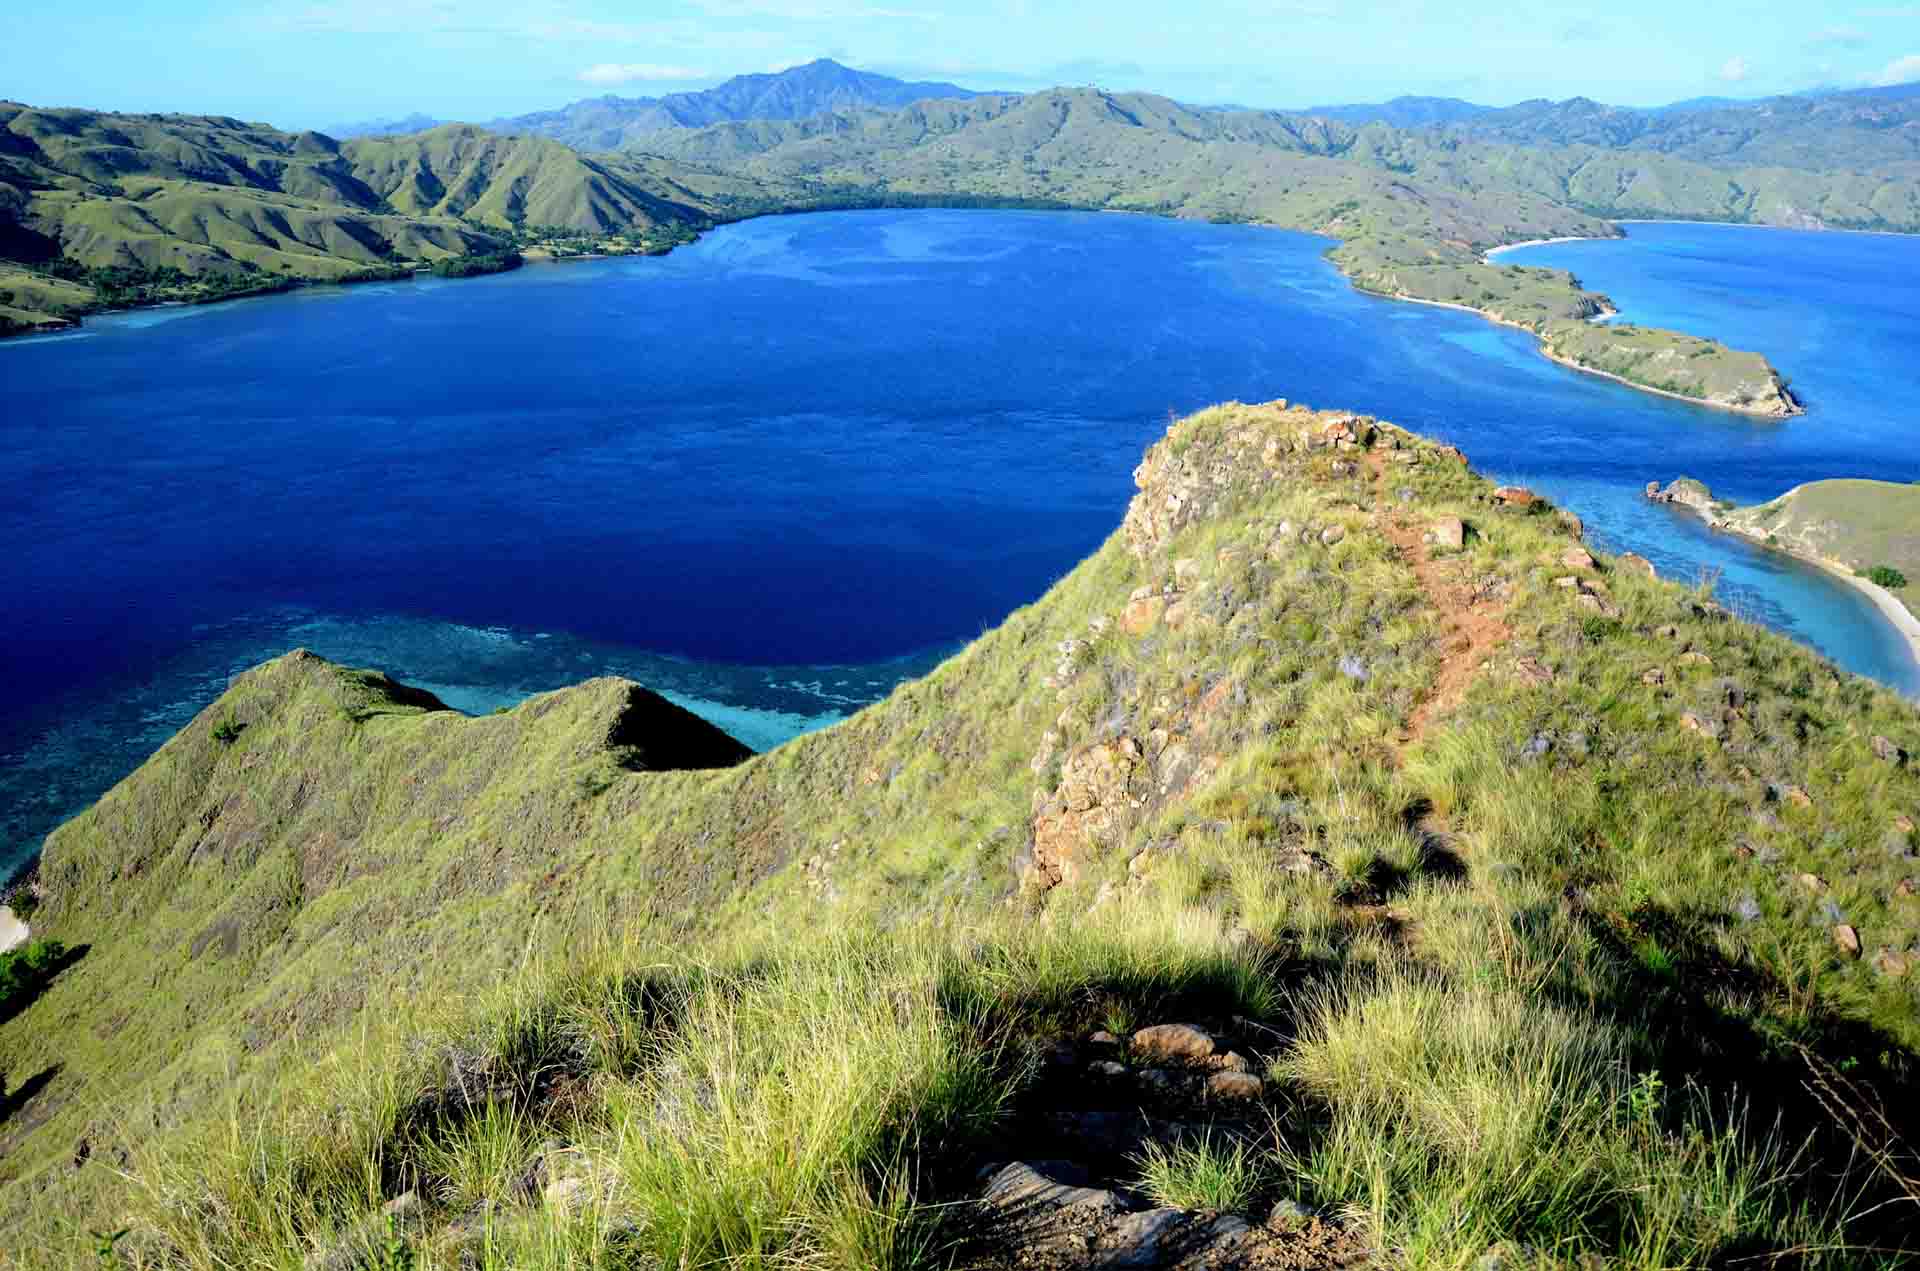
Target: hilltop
{"points": [[1509, 900], [817, 88]]}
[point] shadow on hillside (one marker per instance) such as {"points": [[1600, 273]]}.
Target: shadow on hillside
{"points": [[14, 1099], [1709, 1024], [21, 1001]]}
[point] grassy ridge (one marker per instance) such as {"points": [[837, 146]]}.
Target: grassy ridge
{"points": [[1566, 926]]}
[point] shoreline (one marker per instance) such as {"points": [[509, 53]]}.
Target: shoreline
{"points": [[1540, 346], [1885, 603], [1824, 229], [1491, 252]]}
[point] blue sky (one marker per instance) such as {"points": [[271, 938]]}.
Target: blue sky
{"points": [[311, 63]]}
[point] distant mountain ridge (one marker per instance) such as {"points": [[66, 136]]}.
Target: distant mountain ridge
{"points": [[612, 123], [416, 122]]}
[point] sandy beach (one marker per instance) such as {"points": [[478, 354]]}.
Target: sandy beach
{"points": [[1547, 242]]}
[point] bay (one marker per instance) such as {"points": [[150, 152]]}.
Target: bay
{"points": [[770, 474]]}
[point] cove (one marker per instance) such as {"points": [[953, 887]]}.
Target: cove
{"points": [[771, 474]]}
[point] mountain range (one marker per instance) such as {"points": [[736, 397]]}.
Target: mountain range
{"points": [[612, 122]]}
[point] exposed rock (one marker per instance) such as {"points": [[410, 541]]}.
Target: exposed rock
{"points": [[1695, 724], [1575, 558], [1748, 909], [1796, 796], [1449, 532], [1693, 657], [1022, 1186], [1353, 668], [1173, 1043], [1847, 939], [1907, 889], [1597, 604], [1652, 678], [1892, 964], [1186, 573], [1812, 882], [1638, 564], [1904, 824], [1516, 496], [1287, 1212], [1107, 1069], [1142, 615], [1887, 752], [1531, 671], [1092, 794], [1668, 632], [1235, 1085]]}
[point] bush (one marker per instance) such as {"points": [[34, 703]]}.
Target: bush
{"points": [[27, 970], [1886, 576]]}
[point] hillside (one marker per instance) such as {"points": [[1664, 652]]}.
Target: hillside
{"points": [[1517, 903], [819, 87], [101, 209]]}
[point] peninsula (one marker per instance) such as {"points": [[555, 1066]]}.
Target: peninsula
{"points": [[1865, 532]]}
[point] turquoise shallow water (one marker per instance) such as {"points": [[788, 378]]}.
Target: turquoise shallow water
{"points": [[775, 473]]}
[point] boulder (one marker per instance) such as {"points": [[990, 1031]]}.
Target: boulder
{"points": [[1516, 496], [1021, 1186], [1449, 532], [1576, 558], [1847, 939], [1333, 534], [1887, 752], [1235, 1085], [1638, 564], [1173, 1043], [1186, 572], [1142, 615], [1893, 964]]}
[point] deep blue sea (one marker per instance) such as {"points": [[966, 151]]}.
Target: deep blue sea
{"points": [[774, 473]]}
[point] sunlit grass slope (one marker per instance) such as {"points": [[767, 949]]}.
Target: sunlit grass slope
{"points": [[1597, 943]]}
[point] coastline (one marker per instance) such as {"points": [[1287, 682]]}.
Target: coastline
{"points": [[1748, 411], [1892, 612], [1548, 242], [1607, 312], [1824, 229]]}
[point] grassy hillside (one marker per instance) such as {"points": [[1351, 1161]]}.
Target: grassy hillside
{"points": [[100, 210], [1531, 906]]}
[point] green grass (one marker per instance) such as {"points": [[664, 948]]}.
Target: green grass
{"points": [[1202, 1174]]}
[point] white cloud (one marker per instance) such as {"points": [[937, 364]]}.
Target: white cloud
{"points": [[1905, 70], [1735, 70], [608, 73]]}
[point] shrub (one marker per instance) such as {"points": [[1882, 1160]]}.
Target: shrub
{"points": [[27, 970], [1886, 576]]}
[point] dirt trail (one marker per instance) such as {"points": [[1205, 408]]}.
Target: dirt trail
{"points": [[1472, 633]]}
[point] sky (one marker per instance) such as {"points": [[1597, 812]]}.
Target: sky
{"points": [[316, 63]]}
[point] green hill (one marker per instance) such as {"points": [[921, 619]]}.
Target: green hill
{"points": [[103, 209], [1523, 906]]}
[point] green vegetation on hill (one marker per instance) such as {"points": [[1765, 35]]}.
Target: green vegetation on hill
{"points": [[1544, 907], [101, 210]]}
